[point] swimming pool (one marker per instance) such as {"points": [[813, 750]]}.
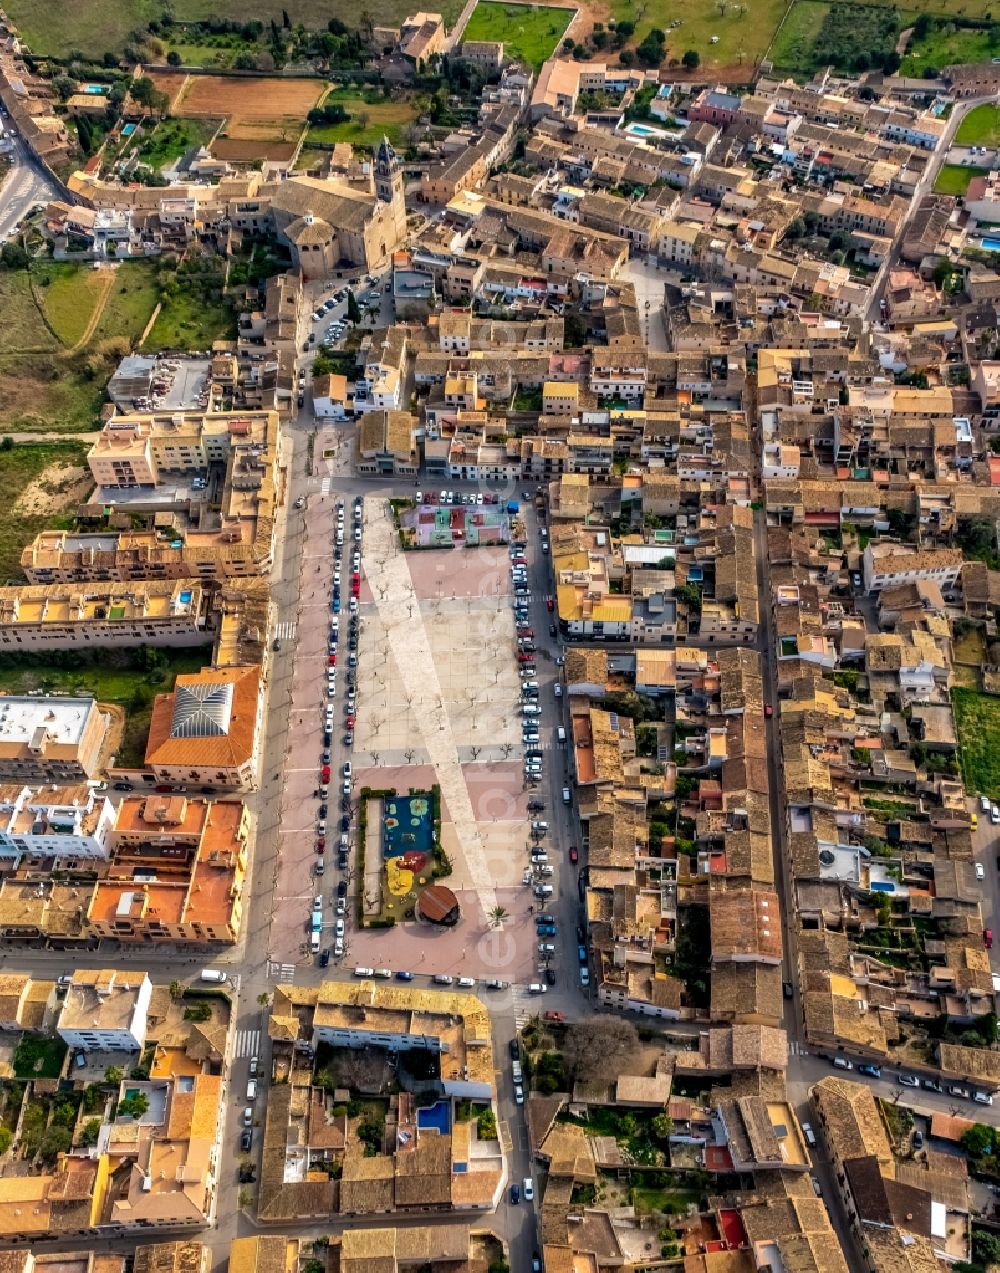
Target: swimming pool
{"points": [[640, 130], [128, 130], [97, 89], [437, 1116], [990, 245]]}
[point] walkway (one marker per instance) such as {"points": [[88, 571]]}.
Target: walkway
{"points": [[399, 609]]}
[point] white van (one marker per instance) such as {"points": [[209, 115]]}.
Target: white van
{"points": [[214, 975], [252, 1090], [314, 943], [561, 736]]}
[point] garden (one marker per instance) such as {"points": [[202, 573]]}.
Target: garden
{"points": [[977, 721]]}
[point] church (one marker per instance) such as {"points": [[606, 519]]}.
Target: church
{"points": [[357, 221]]}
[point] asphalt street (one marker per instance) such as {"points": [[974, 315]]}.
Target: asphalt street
{"points": [[26, 184]]}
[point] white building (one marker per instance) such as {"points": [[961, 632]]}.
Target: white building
{"points": [[58, 821], [887, 564], [105, 1011]]}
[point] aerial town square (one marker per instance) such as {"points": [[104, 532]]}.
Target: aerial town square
{"points": [[499, 637]]}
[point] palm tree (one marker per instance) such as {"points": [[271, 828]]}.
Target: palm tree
{"points": [[497, 916]]}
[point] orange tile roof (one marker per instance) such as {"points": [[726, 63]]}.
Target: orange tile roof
{"points": [[230, 749]]}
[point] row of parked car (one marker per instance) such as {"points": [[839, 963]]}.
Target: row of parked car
{"points": [[339, 897], [912, 1080]]}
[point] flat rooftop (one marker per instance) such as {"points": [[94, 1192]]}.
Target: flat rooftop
{"points": [[62, 718]]}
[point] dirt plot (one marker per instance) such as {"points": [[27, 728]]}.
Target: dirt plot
{"points": [[56, 488], [171, 83], [243, 151], [276, 103]]}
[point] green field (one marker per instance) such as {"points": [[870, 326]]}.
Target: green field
{"points": [[68, 295], [131, 303], [977, 720], [954, 179], [188, 321], [528, 33], [19, 467], [94, 26], [947, 46], [792, 47], [372, 118], [744, 32], [980, 127]]}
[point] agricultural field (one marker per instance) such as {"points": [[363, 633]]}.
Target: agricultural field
{"points": [[94, 26], [977, 720], [528, 33], [946, 45], [372, 118], [263, 117], [793, 44], [954, 179], [981, 127], [64, 328], [40, 484], [745, 30]]}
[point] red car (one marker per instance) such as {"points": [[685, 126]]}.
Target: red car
{"points": [[550, 605], [350, 720], [326, 773], [768, 710], [524, 658], [554, 1016], [320, 845], [356, 577], [332, 660], [574, 853], [988, 938], [526, 632]]}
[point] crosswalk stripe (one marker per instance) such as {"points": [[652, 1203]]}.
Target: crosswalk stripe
{"points": [[326, 486], [247, 1042], [286, 629]]}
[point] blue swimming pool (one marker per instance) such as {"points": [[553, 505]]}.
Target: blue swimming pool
{"points": [[128, 130], [437, 1116], [991, 245]]}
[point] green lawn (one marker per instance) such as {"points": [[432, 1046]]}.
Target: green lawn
{"points": [[212, 53], [94, 26], [980, 127], [172, 138], [188, 321], [372, 117], [68, 295], [19, 467], [131, 303], [528, 33], [977, 721], [745, 32], [945, 47], [792, 47], [954, 178]]}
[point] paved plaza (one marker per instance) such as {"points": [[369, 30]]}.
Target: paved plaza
{"points": [[437, 689]]}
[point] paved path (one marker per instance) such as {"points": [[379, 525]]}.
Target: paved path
{"points": [[399, 610]]}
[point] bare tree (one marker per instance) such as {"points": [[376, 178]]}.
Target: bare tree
{"points": [[598, 1051]]}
